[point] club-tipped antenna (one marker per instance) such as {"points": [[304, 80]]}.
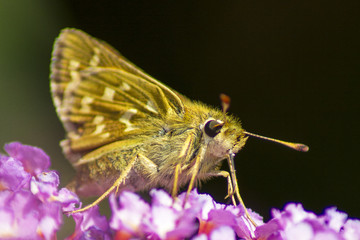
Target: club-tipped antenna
{"points": [[296, 146]]}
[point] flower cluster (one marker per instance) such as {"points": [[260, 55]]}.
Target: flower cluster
{"points": [[201, 217], [30, 203], [31, 207], [296, 223]]}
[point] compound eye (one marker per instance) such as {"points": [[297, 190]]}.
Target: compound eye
{"points": [[213, 127]]}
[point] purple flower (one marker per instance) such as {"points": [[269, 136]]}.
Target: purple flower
{"points": [[296, 223], [351, 230], [214, 215], [31, 207], [128, 214], [17, 220], [68, 199], [12, 174], [30, 203], [90, 225], [223, 232], [33, 159], [164, 219], [167, 218]]}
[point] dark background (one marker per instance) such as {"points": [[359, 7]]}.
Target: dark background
{"points": [[291, 69]]}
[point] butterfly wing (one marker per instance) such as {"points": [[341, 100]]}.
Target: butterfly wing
{"points": [[100, 96]]}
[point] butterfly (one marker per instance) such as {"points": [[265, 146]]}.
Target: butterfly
{"points": [[126, 130]]}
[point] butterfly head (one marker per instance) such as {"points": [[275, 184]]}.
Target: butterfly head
{"points": [[223, 137]]}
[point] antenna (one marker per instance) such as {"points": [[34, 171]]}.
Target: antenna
{"points": [[296, 146], [225, 102]]}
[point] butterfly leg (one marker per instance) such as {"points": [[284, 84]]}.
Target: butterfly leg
{"points": [[195, 169], [116, 185], [176, 180], [145, 167], [194, 172], [236, 186], [230, 189], [184, 157]]}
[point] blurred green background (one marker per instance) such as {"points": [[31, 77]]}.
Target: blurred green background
{"points": [[291, 68]]}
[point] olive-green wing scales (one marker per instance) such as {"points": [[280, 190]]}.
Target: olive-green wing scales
{"points": [[100, 96]]}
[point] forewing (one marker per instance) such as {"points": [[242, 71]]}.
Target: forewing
{"points": [[100, 96]]}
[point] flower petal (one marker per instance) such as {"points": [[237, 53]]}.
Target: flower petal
{"points": [[33, 159]]}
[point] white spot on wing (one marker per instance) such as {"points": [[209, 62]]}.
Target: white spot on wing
{"points": [[74, 73], [75, 76], [85, 101], [105, 135], [125, 87], [108, 94], [150, 106], [73, 135], [98, 119], [125, 119], [99, 129], [74, 65], [95, 60]]}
